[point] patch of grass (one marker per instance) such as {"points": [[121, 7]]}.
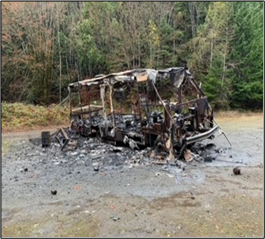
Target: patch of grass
{"points": [[16, 116], [46, 226], [80, 229], [17, 230]]}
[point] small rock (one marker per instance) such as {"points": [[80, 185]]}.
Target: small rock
{"points": [[115, 219], [236, 171], [192, 196], [95, 166], [53, 192]]}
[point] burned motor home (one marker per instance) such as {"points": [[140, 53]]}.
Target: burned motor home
{"points": [[164, 109]]}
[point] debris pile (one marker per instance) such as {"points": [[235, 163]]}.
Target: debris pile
{"points": [[103, 156]]}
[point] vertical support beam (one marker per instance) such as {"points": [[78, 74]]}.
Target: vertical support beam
{"points": [[103, 99], [89, 101], [111, 104], [139, 107], [167, 115]]}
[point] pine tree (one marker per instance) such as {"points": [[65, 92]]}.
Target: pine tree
{"points": [[248, 56]]}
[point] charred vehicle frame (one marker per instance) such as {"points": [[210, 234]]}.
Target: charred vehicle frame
{"points": [[164, 109]]}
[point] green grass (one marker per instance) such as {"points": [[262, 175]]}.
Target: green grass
{"points": [[17, 116]]}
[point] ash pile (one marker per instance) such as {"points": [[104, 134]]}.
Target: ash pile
{"points": [[68, 148]]}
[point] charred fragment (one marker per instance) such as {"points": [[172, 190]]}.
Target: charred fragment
{"points": [[65, 138], [164, 109], [45, 138]]}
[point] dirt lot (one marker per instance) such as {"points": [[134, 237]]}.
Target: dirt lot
{"points": [[131, 196]]}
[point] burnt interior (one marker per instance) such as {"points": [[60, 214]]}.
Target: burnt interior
{"points": [[165, 109]]}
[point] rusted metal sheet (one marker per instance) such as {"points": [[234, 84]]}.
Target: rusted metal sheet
{"points": [[143, 107]]}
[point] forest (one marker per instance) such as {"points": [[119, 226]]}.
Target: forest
{"points": [[47, 45]]}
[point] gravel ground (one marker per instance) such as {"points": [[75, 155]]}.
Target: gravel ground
{"points": [[102, 190]]}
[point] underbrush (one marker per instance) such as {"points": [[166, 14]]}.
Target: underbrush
{"points": [[235, 113], [16, 116]]}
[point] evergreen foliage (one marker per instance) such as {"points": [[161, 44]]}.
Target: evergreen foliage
{"points": [[47, 45]]}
